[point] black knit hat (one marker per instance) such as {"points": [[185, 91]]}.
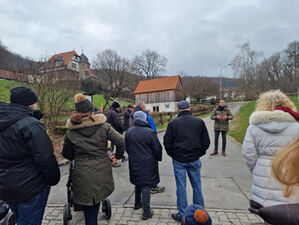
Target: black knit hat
{"points": [[115, 105], [23, 96], [82, 104]]}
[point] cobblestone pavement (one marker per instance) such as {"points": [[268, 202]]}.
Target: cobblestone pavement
{"points": [[54, 216]]}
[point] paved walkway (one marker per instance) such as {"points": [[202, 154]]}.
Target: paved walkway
{"points": [[121, 216]]}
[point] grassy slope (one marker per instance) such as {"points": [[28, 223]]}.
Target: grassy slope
{"points": [[240, 123], [6, 85]]}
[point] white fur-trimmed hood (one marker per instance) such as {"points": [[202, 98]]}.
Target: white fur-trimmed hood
{"points": [[87, 122], [270, 116]]}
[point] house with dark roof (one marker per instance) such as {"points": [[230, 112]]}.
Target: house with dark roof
{"points": [[72, 61], [161, 94]]}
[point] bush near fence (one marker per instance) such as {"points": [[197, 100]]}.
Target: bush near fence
{"points": [[159, 117]]}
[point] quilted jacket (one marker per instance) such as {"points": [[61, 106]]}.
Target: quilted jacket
{"points": [[268, 132]]}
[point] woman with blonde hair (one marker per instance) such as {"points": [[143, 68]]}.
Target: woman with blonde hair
{"points": [[272, 126], [285, 169]]}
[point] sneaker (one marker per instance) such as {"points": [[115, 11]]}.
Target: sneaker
{"points": [[176, 217], [214, 153], [158, 189], [223, 153], [147, 215]]}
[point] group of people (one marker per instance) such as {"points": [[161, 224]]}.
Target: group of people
{"points": [[28, 166]]}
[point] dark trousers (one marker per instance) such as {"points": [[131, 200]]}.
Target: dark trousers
{"points": [[31, 212], [91, 214], [223, 134], [143, 196]]}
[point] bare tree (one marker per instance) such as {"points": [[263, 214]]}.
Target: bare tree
{"points": [[55, 88], [245, 65], [115, 73], [201, 87], [150, 63]]}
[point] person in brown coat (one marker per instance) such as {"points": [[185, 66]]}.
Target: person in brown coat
{"points": [[221, 115], [86, 143]]}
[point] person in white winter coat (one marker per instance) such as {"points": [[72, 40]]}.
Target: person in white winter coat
{"points": [[272, 126], [285, 169]]}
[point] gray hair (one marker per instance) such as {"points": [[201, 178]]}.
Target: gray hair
{"points": [[140, 104]]}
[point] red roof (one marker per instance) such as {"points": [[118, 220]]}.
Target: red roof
{"points": [[67, 57], [159, 84]]}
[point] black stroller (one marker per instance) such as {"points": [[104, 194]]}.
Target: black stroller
{"points": [[67, 214], [7, 217]]}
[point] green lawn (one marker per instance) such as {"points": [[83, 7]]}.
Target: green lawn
{"points": [[6, 85], [241, 121], [239, 125]]}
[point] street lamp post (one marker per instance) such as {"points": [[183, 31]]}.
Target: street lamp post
{"points": [[220, 78]]}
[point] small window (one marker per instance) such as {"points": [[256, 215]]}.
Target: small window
{"points": [[154, 108], [74, 65], [86, 73], [157, 108]]}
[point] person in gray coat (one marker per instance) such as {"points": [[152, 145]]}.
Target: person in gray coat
{"points": [[272, 126]]}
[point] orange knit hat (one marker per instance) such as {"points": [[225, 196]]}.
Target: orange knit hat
{"points": [[201, 216]]}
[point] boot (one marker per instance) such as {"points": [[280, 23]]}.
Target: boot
{"points": [[214, 153], [147, 214]]}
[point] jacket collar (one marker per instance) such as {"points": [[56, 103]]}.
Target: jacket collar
{"points": [[270, 116], [185, 113], [87, 122], [140, 123]]}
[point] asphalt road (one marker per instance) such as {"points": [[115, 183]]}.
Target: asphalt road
{"points": [[226, 181]]}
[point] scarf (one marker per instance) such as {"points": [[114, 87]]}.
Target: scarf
{"points": [[290, 111]]}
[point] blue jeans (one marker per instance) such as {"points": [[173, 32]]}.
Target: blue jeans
{"points": [[91, 214], [193, 171], [32, 211]]}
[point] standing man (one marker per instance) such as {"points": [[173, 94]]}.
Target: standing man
{"points": [[221, 115], [127, 116], [186, 140], [114, 119], [28, 166]]}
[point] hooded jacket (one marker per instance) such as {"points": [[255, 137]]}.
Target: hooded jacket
{"points": [[144, 150], [27, 162], [86, 143], [268, 132]]}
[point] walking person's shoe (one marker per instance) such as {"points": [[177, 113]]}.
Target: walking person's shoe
{"points": [[158, 189], [223, 153], [176, 217], [147, 214], [214, 153], [137, 206]]}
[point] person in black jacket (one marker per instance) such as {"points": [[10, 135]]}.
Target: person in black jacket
{"points": [[114, 119], [28, 166], [186, 140], [144, 150], [127, 116]]}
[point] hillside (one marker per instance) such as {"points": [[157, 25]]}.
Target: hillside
{"points": [[12, 61]]}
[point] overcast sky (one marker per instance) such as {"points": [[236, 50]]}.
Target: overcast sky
{"points": [[196, 36]]}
